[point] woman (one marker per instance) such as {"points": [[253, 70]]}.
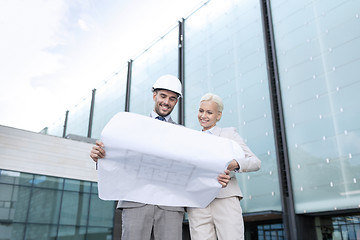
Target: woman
{"points": [[222, 218]]}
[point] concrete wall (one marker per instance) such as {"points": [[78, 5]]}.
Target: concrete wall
{"points": [[37, 153]]}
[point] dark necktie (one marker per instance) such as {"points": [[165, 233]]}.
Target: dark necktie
{"points": [[160, 118]]}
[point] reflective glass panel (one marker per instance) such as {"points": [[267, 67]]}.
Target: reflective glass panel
{"points": [[224, 54], [94, 188], [101, 212], [40, 232], [74, 208], [160, 59], [48, 182], [317, 44], [109, 100], [78, 118], [14, 202], [72, 232], [20, 203], [77, 185], [12, 231], [44, 206], [12, 177], [57, 128], [96, 233]]}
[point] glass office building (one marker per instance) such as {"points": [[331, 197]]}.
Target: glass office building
{"points": [[45, 207], [48, 189], [288, 72]]}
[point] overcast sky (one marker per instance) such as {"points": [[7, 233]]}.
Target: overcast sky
{"points": [[54, 52]]}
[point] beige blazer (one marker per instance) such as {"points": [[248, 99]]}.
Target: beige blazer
{"points": [[248, 164]]}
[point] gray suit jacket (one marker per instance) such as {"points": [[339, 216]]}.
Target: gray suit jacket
{"points": [[248, 164], [127, 204]]}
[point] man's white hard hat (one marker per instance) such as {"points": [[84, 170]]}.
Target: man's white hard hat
{"points": [[168, 82]]}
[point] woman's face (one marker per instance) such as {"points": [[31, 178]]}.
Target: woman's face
{"points": [[208, 114]]}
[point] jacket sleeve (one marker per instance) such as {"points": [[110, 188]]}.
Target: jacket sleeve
{"points": [[250, 162]]}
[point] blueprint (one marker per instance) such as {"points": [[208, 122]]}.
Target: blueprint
{"points": [[155, 162], [158, 169]]}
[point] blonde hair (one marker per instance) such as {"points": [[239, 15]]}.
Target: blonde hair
{"points": [[215, 98]]}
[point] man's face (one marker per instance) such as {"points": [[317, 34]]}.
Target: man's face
{"points": [[165, 102]]}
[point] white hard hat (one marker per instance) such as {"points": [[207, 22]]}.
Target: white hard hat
{"points": [[168, 82]]}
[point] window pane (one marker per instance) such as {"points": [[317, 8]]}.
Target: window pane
{"points": [[99, 233], [77, 185], [25, 179], [101, 212], [40, 232], [48, 182], [20, 203], [78, 118], [12, 177], [44, 206], [94, 188], [317, 44], [14, 202], [74, 208], [12, 231], [71, 232]]}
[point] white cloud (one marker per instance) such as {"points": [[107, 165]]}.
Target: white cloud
{"points": [[83, 25], [53, 53]]}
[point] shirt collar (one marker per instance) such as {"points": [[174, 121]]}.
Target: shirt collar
{"points": [[154, 115], [210, 131]]}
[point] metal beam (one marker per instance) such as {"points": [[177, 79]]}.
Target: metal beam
{"points": [[91, 115], [287, 200], [65, 123], [181, 70], [128, 86]]}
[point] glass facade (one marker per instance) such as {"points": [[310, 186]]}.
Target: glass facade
{"points": [[317, 45], [44, 207], [160, 59], [109, 100], [225, 55]]}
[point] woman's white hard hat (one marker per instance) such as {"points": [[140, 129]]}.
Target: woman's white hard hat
{"points": [[168, 82]]}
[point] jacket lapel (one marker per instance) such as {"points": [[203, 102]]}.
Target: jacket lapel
{"points": [[217, 131]]}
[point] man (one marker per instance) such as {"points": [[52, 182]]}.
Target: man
{"points": [[145, 221]]}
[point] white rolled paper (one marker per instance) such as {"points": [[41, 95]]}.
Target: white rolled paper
{"points": [[155, 162]]}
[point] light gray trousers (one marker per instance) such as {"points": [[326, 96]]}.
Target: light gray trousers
{"points": [[151, 222]]}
